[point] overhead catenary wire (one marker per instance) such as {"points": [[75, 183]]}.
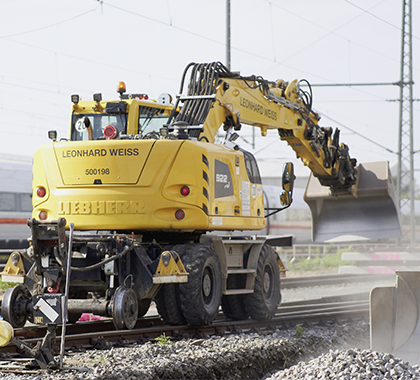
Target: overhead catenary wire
{"points": [[360, 135], [377, 17], [173, 26], [51, 25], [175, 19]]}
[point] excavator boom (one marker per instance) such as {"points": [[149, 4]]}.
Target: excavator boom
{"points": [[346, 200]]}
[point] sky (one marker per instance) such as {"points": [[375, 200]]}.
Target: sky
{"points": [[52, 49]]}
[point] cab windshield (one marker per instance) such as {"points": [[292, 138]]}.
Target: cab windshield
{"points": [[98, 122]]}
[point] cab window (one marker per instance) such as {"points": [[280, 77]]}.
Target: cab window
{"points": [[251, 167], [151, 119], [98, 122]]}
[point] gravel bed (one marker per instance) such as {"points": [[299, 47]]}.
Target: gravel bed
{"points": [[336, 350], [351, 364], [244, 356]]}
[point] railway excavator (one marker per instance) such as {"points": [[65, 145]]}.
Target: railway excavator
{"points": [[134, 204]]}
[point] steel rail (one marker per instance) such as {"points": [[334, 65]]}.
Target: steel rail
{"points": [[102, 334], [332, 279]]}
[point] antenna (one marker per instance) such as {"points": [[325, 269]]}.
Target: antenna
{"points": [[228, 34]]}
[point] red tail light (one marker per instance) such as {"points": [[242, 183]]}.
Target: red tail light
{"points": [[41, 192], [43, 215], [185, 190]]}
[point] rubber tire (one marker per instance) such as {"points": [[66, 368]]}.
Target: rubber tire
{"points": [[262, 304], [203, 266], [233, 306], [167, 299]]}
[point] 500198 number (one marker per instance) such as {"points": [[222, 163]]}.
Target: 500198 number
{"points": [[102, 171]]}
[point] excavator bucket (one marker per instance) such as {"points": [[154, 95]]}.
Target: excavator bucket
{"points": [[370, 211], [394, 317]]}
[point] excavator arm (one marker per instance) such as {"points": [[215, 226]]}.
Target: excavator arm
{"points": [[339, 200]]}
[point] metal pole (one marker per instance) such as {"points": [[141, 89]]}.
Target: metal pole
{"points": [[405, 182], [400, 127], [66, 295], [228, 34], [410, 99]]}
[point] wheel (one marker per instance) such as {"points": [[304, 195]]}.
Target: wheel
{"points": [[167, 299], [262, 304], [125, 308], [233, 306], [13, 308], [200, 296]]}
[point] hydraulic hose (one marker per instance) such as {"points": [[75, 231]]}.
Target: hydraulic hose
{"points": [[97, 265]]}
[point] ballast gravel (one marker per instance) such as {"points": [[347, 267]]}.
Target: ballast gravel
{"points": [[336, 350], [351, 364]]}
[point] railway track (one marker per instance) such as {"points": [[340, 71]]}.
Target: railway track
{"points": [[332, 279], [84, 336], [102, 334]]}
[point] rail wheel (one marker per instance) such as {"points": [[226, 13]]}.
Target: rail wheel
{"points": [[125, 308], [200, 296], [167, 300], [14, 305], [262, 304], [233, 306]]}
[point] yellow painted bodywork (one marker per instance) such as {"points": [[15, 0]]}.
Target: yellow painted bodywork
{"points": [[142, 191], [166, 273], [6, 333], [14, 270]]}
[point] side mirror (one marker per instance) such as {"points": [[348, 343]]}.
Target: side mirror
{"points": [[288, 179], [286, 198]]}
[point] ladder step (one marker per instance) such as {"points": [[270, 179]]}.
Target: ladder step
{"points": [[238, 291], [241, 271]]}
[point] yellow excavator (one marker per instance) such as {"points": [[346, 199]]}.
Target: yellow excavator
{"points": [[131, 206]]}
